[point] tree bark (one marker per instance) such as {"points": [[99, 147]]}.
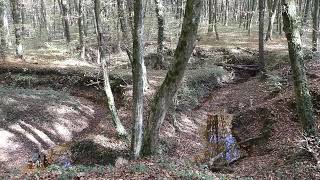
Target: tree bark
{"points": [[315, 29], [125, 29], [18, 26], [3, 41], [210, 26], [226, 20], [161, 23], [302, 94], [272, 15], [65, 19], [44, 18], [79, 9], [216, 19], [261, 34], [174, 77], [103, 59], [125, 33], [306, 14], [138, 80]]}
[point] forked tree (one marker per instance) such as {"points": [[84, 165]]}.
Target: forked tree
{"points": [[173, 79]]}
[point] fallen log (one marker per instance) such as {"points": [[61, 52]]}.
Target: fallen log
{"points": [[254, 68]]}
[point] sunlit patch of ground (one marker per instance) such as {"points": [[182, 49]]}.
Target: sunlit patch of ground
{"points": [[33, 120]]}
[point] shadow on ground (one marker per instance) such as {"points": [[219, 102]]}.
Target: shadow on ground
{"points": [[32, 120]]}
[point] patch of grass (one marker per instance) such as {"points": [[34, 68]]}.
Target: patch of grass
{"points": [[164, 163], [275, 83], [139, 168], [70, 173], [198, 84], [190, 174]]}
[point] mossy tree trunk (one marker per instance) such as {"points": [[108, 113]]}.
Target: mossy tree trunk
{"points": [[172, 82], [210, 26], [138, 80], [103, 59], [301, 89]]}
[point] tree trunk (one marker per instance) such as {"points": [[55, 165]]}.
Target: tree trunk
{"points": [[161, 23], [305, 16], [210, 27], [174, 77], [17, 20], [215, 19], [303, 97], [315, 29], [226, 20], [125, 33], [65, 19], [125, 29], [103, 59], [44, 21], [272, 15], [261, 34], [138, 80], [252, 12], [3, 41], [279, 19], [79, 9]]}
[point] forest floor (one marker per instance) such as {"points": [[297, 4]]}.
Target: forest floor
{"points": [[66, 116]]}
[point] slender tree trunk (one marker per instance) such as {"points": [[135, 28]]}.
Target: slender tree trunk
{"points": [[103, 59], [161, 23], [130, 12], [3, 41], [79, 9], [315, 29], [138, 80], [210, 26], [172, 82], [261, 34], [305, 16], [226, 13], [253, 10], [125, 29], [125, 33], [215, 19], [44, 18], [280, 19], [272, 15], [65, 19], [303, 97], [17, 20]]}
